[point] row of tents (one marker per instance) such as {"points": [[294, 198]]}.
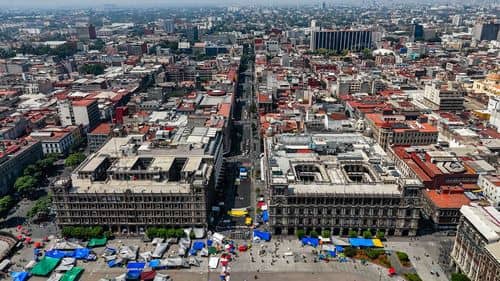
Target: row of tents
{"points": [[353, 242]]}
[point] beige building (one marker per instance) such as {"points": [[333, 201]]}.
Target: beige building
{"points": [[337, 182], [476, 251], [130, 183]]}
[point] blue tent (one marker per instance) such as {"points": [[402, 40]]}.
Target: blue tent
{"points": [[136, 265], [266, 236], [19, 276], [134, 274], [154, 263], [198, 245], [58, 254], [339, 249], [113, 263], [361, 242], [332, 253], [265, 216], [310, 241], [82, 253], [209, 243]]}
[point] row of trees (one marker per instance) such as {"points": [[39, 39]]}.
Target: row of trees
{"points": [[62, 51], [35, 174], [153, 232], [85, 233]]}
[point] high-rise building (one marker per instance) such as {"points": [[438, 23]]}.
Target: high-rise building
{"points": [[340, 40], [456, 20], [169, 26], [86, 32], [486, 31], [417, 31]]}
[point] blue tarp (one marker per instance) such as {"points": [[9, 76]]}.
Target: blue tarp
{"points": [[134, 274], [198, 245], [265, 216], [209, 243], [19, 276], [339, 249], [310, 241], [58, 254], [82, 253], [360, 242], [113, 263], [266, 236], [154, 263], [136, 265], [332, 253]]}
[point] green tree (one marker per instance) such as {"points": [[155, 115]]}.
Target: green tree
{"points": [[412, 277], [170, 233], [74, 159], [97, 45], [300, 233], [380, 235], [32, 170], [25, 184], [6, 202], [42, 205], [367, 234], [326, 233], [93, 68], [350, 252], [345, 53], [402, 256], [313, 234], [374, 253], [353, 233], [459, 277], [367, 53], [179, 233]]}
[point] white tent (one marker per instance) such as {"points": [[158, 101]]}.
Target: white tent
{"points": [[213, 262], [160, 249]]}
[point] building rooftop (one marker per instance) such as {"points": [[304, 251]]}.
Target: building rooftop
{"points": [[485, 219], [447, 198]]}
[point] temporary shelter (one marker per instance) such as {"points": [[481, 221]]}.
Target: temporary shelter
{"points": [[45, 266]]}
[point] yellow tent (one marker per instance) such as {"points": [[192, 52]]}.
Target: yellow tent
{"points": [[377, 243]]}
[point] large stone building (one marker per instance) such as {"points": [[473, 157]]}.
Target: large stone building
{"points": [[338, 182], [476, 251], [14, 157], [130, 183]]}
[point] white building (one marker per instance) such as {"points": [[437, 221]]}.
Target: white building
{"points": [[476, 250], [447, 97], [490, 185], [494, 110], [81, 112]]}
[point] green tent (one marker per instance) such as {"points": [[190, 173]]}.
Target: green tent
{"points": [[212, 250], [97, 242], [72, 274], [45, 266]]}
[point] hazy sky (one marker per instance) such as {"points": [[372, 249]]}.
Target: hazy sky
{"points": [[56, 3]]}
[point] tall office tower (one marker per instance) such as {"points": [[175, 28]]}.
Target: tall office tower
{"points": [[169, 26], [86, 32], [486, 31], [456, 20], [340, 40], [417, 31]]}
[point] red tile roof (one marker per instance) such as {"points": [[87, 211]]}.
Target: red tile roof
{"points": [[102, 129], [448, 198]]}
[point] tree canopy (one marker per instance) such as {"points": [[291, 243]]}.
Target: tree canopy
{"points": [[94, 68], [25, 184], [74, 159]]}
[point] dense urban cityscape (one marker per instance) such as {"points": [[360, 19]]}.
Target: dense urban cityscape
{"points": [[282, 140]]}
